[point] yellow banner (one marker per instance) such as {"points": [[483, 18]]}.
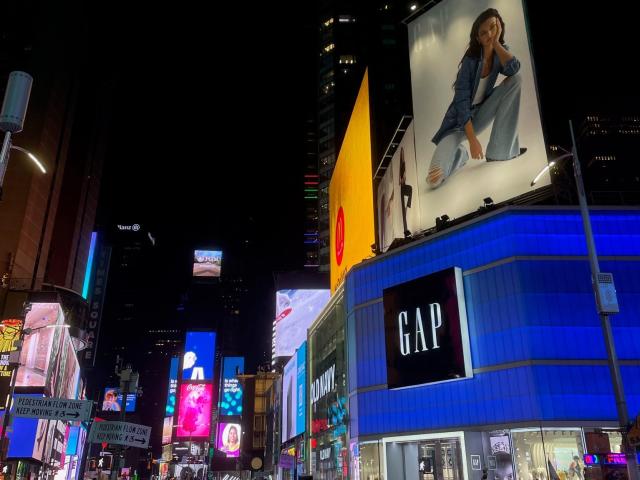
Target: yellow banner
{"points": [[351, 193]]}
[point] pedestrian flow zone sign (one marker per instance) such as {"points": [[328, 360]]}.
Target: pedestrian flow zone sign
{"points": [[120, 433], [52, 408]]}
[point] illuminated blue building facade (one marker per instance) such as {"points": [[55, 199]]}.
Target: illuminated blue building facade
{"points": [[541, 392]]}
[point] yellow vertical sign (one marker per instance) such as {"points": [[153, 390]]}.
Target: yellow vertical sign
{"points": [[351, 193], [10, 331]]}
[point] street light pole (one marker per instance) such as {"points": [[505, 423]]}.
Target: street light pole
{"points": [[614, 368]]}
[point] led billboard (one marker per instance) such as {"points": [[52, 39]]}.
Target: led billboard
{"points": [[170, 407], [351, 193], [112, 400], [199, 356], [229, 438], [10, 331], [167, 428], [293, 395], [477, 123], [207, 263], [40, 347], [194, 412], [296, 310], [231, 398]]}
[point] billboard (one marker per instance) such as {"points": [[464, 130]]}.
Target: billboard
{"points": [[228, 439], [194, 412], [397, 203], [427, 338], [112, 400], [231, 398], [170, 407], [199, 356], [40, 347], [477, 123], [294, 395], [296, 310], [10, 331], [167, 428], [351, 193], [207, 263]]}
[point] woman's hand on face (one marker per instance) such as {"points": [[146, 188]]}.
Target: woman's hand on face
{"points": [[476, 149], [498, 32]]}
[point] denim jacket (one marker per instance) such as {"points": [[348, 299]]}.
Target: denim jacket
{"points": [[459, 112]]}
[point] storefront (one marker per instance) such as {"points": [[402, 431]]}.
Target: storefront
{"points": [[478, 351], [328, 397]]}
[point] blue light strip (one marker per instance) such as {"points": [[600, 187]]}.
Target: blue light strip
{"points": [[87, 272]]}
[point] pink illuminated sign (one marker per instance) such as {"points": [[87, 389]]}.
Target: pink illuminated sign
{"points": [[194, 413]]}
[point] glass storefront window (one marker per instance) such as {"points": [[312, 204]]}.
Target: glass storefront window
{"points": [[548, 454], [368, 462]]}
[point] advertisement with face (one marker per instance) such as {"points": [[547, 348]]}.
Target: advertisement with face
{"points": [[207, 263], [477, 123], [170, 407], [199, 356], [229, 436], [501, 451], [296, 310], [351, 193], [41, 346], [397, 206], [194, 412], [231, 401], [112, 400]]}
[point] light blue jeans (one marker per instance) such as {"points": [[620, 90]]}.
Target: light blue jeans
{"points": [[503, 108]]}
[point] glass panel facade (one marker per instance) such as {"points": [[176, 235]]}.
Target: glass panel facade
{"points": [[329, 458], [548, 454]]}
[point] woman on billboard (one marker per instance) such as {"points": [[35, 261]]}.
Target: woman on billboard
{"points": [[477, 102]]}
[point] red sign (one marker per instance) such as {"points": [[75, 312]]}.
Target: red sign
{"points": [[340, 236]]}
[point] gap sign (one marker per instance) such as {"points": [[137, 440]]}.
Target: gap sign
{"points": [[120, 433], [52, 408]]}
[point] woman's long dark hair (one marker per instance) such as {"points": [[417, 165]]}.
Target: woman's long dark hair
{"points": [[474, 49]]}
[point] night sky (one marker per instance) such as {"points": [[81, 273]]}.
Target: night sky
{"points": [[207, 141]]}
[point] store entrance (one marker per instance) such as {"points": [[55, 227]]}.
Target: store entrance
{"points": [[440, 459]]}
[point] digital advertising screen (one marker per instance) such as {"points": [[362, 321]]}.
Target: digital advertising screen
{"points": [[10, 332], [228, 439], [296, 310], [477, 124], [199, 356], [207, 263], [194, 412], [170, 407], [167, 428], [426, 333], [293, 395], [231, 399], [112, 400], [42, 346], [351, 193]]}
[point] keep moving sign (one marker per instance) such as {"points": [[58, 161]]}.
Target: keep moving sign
{"points": [[52, 408], [120, 433]]}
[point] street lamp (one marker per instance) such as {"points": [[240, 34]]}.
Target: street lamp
{"points": [[606, 301], [33, 158], [14, 377]]}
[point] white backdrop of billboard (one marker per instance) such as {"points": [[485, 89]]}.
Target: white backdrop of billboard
{"points": [[295, 312], [438, 40], [398, 204]]}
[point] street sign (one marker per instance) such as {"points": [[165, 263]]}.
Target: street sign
{"points": [[52, 408], [120, 433]]}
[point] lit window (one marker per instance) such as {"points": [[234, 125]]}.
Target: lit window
{"points": [[346, 19], [347, 59], [328, 22], [329, 47]]}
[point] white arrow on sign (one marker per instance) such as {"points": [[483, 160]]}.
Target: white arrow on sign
{"points": [[52, 408], [120, 433]]}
